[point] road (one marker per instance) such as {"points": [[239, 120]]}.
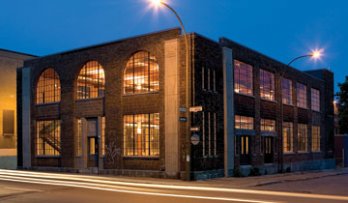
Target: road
{"points": [[30, 187]]}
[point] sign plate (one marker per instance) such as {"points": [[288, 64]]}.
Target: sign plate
{"points": [[196, 109], [183, 119], [195, 139], [182, 109]]}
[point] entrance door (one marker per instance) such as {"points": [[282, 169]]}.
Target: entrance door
{"points": [[245, 150], [92, 143], [267, 145]]}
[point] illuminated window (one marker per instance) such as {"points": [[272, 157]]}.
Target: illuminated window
{"points": [[48, 138], [288, 137], [315, 138], [315, 99], [141, 135], [268, 125], [287, 91], [301, 95], [267, 85], [91, 81], [48, 87], [302, 138], [243, 78], [243, 122], [141, 74]]}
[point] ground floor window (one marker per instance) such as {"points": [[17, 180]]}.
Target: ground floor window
{"points": [[141, 135], [316, 139], [288, 137], [48, 138], [302, 138]]}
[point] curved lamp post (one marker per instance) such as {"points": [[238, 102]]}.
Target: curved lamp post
{"points": [[316, 54], [159, 3]]}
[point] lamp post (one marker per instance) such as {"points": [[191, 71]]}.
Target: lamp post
{"points": [[315, 54], [159, 3]]}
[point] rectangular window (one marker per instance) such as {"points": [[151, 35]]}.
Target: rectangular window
{"points": [[8, 122], [48, 138], [214, 81], [103, 136], [267, 90], [203, 134], [302, 137], [301, 95], [244, 147], [141, 135], [243, 78], [268, 125], [288, 137], [209, 79], [287, 91], [315, 99], [215, 135], [243, 122], [209, 134], [315, 138], [79, 138], [203, 78]]}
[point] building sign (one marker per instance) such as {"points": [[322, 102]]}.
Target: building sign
{"points": [[183, 119], [182, 109], [195, 109], [195, 129], [195, 139]]}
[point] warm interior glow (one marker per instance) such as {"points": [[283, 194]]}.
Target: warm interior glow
{"points": [[317, 53]]}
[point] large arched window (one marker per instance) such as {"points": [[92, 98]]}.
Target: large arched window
{"points": [[48, 87], [141, 74], [91, 81]]}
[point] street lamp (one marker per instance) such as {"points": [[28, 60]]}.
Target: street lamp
{"points": [[159, 3], [315, 54]]}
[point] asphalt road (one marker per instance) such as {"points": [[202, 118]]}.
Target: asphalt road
{"points": [[30, 187]]}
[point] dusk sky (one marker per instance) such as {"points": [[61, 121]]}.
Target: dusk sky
{"points": [[281, 29]]}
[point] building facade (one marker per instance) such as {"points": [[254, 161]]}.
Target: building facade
{"points": [[9, 62], [121, 108]]}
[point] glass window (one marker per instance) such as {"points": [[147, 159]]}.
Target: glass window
{"points": [[315, 138], [141, 74], [141, 135], [48, 138], [243, 78], [243, 122], [48, 87], [267, 85], [287, 91], [268, 125], [302, 137], [91, 81], [301, 95], [315, 99], [288, 137]]}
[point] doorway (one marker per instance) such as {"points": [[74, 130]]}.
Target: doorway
{"points": [[92, 143], [267, 145]]}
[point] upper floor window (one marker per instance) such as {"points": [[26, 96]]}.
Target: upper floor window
{"points": [[48, 87], [287, 91], [91, 81], [301, 95], [268, 125], [141, 74], [315, 99], [243, 122], [243, 78], [267, 90]]}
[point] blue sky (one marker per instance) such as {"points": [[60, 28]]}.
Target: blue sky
{"points": [[281, 29]]}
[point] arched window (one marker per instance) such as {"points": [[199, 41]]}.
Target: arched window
{"points": [[91, 81], [48, 87], [141, 74]]}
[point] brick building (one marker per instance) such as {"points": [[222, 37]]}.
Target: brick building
{"points": [[120, 108]]}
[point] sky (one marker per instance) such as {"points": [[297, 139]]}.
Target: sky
{"points": [[281, 29]]}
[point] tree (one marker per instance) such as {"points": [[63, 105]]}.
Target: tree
{"points": [[343, 106]]}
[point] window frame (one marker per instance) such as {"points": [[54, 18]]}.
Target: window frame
{"points": [[267, 85], [248, 73], [315, 102], [56, 90], [302, 98]]}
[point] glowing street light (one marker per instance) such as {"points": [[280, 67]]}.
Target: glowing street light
{"points": [[314, 54], [157, 4]]}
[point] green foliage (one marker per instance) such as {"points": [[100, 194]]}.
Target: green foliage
{"points": [[254, 172], [343, 106]]}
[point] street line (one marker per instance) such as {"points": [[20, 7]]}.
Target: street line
{"points": [[102, 188]]}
